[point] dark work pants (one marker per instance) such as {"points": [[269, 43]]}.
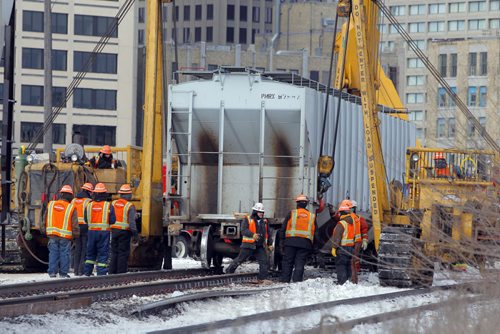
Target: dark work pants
{"points": [[294, 260], [120, 250], [80, 249], [261, 256], [343, 264], [97, 253]]}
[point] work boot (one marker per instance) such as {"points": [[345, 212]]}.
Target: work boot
{"points": [[64, 276], [52, 275]]}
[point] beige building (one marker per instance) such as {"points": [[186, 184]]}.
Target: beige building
{"points": [[434, 24]]}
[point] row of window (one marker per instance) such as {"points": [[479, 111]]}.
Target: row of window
{"points": [[440, 26], [474, 67], [243, 17], [102, 63], [450, 131], [443, 8], [84, 98], [92, 134], [85, 25]]}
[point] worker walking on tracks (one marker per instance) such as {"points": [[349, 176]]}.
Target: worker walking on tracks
{"points": [[297, 235], [99, 216], [346, 242], [80, 202], [256, 241], [122, 230], [61, 226]]}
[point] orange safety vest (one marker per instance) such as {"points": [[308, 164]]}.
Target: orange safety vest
{"points": [[357, 226], [59, 214], [80, 205], [98, 214], [348, 237], [252, 226], [122, 208], [301, 224]]}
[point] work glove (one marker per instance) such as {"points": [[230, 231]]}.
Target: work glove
{"points": [[256, 236], [334, 252], [270, 248], [365, 244]]}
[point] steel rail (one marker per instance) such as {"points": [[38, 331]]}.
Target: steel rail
{"points": [[294, 311], [78, 283], [73, 299]]}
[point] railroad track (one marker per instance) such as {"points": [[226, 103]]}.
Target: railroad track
{"points": [[295, 311], [85, 296]]}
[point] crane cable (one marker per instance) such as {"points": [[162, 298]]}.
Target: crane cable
{"points": [[103, 41]]}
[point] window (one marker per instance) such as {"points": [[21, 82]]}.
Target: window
{"points": [[31, 95], [441, 97], [141, 14], [417, 10], [382, 28], [230, 35], [472, 63], [243, 13], [397, 10], [213, 67], [256, 14], [210, 34], [59, 23], [164, 13], [96, 134], [421, 44], [32, 21], [453, 65], [471, 129], [197, 13], [243, 36], [269, 15], [140, 37], [483, 63], [210, 12], [314, 75], [437, 8], [451, 127], [393, 74], [477, 24], [483, 96], [391, 45], [87, 98], [456, 25], [254, 32], [451, 101], [32, 58], [230, 12], [440, 127], [176, 13], [495, 5], [414, 63], [477, 6], [187, 12], [59, 96], [102, 63], [30, 129], [392, 29], [472, 97], [436, 26], [197, 34], [186, 32], [457, 7], [416, 27], [415, 80], [415, 98], [94, 25], [482, 122], [416, 115], [442, 61], [494, 23]]}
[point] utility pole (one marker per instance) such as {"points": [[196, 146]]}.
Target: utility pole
{"points": [[47, 91]]}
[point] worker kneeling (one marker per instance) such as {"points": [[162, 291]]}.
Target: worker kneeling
{"points": [[256, 241], [122, 231], [346, 242]]}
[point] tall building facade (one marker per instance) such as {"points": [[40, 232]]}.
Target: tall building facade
{"points": [[102, 107], [456, 35]]}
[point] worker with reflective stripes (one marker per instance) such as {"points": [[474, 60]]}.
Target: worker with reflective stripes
{"points": [[61, 225], [99, 216], [122, 231], [346, 242], [80, 202], [296, 236], [363, 229], [256, 242]]}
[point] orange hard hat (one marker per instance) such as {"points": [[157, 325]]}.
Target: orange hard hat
{"points": [[100, 188], [345, 205], [302, 198], [88, 186], [106, 149], [438, 155], [125, 189], [66, 189]]}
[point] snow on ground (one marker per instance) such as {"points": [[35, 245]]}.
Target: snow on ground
{"points": [[111, 317]]}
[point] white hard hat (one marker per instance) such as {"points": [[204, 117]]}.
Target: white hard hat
{"points": [[354, 203], [258, 207]]}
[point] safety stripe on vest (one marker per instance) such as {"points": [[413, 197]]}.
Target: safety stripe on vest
{"points": [[293, 232], [81, 220], [64, 231], [122, 225], [102, 226], [345, 235], [251, 240]]}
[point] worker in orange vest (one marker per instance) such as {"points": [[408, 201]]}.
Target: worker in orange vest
{"points": [[346, 242], [122, 230], [256, 241], [362, 225], [442, 169], [61, 226], [296, 236], [80, 202], [99, 216], [105, 159]]}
